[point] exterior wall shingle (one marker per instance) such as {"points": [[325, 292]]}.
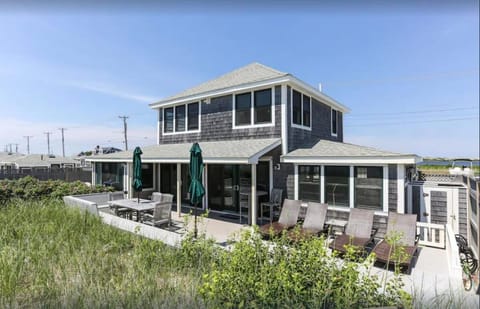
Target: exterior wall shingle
{"points": [[321, 125], [217, 124]]}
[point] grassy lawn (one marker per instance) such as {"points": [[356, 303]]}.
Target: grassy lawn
{"points": [[442, 169]]}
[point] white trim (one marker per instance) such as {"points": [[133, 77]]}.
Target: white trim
{"points": [[293, 125], [351, 186], [385, 188], [255, 157], [254, 199], [159, 123], [205, 185], [186, 119], [284, 111], [351, 160], [295, 182], [252, 110], [282, 79], [331, 122], [322, 184], [401, 188], [179, 189]]}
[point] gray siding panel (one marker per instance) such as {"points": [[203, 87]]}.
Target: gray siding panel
{"points": [[321, 125], [217, 123], [438, 202], [462, 211], [392, 188]]}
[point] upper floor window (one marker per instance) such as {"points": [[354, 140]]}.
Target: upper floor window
{"points": [[181, 118], [334, 122], [301, 110], [253, 108]]}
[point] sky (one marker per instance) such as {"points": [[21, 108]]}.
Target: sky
{"points": [[409, 74]]}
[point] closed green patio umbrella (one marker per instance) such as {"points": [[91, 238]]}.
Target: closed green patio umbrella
{"points": [[196, 189], [137, 172]]}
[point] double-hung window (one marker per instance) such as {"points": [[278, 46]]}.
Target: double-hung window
{"points": [[301, 110], [181, 118], [254, 108]]}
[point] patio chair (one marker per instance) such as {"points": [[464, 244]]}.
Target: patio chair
{"points": [[274, 202], [313, 224], [162, 212], [119, 211], [288, 218], [406, 226], [358, 232]]}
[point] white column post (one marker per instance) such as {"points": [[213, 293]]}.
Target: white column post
{"points": [[322, 184], [284, 124], [94, 173], [351, 187], [129, 182], [179, 189], [401, 188], [254, 194], [295, 182], [385, 188]]}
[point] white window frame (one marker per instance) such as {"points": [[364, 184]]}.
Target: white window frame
{"points": [[252, 109], [331, 122], [351, 189], [292, 124], [186, 131]]}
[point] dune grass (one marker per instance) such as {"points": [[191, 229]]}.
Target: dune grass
{"points": [[51, 256]]}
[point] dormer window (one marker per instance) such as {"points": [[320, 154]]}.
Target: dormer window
{"points": [[301, 110], [334, 122], [181, 118]]}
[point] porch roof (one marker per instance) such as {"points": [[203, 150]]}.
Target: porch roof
{"points": [[330, 152], [234, 152]]}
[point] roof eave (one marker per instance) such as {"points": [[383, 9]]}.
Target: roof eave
{"points": [[288, 78], [401, 159]]}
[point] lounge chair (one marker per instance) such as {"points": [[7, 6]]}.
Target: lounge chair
{"points": [[288, 218], [405, 224], [162, 212], [313, 224], [358, 231]]}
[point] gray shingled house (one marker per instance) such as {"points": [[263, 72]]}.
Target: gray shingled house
{"points": [[259, 129]]}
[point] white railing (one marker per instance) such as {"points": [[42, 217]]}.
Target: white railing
{"points": [[431, 234], [453, 258]]}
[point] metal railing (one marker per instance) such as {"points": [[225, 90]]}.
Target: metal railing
{"points": [[431, 234]]}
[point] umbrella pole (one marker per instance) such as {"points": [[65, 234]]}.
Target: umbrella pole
{"points": [[195, 228]]}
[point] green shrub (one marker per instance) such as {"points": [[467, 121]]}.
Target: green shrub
{"points": [[262, 274], [30, 188]]}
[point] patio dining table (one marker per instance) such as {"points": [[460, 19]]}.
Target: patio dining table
{"points": [[135, 205]]}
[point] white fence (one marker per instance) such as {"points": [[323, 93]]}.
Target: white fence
{"points": [[431, 234]]}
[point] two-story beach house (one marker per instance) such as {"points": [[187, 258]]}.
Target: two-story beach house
{"points": [[259, 129]]}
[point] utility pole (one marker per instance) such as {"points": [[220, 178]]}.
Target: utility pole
{"points": [[125, 129], [48, 140], [28, 143], [63, 141]]}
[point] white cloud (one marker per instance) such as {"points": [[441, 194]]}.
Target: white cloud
{"points": [[112, 91]]}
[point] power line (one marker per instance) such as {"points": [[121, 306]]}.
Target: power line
{"points": [[63, 141], [48, 140], [125, 129], [28, 142], [413, 112], [404, 122]]}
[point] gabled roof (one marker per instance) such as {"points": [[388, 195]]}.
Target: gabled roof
{"points": [[234, 151], [325, 151], [252, 75]]}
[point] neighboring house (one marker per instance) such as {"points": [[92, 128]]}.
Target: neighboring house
{"points": [[34, 162], [266, 127]]}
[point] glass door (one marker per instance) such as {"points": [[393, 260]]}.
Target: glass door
{"points": [[222, 187]]}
